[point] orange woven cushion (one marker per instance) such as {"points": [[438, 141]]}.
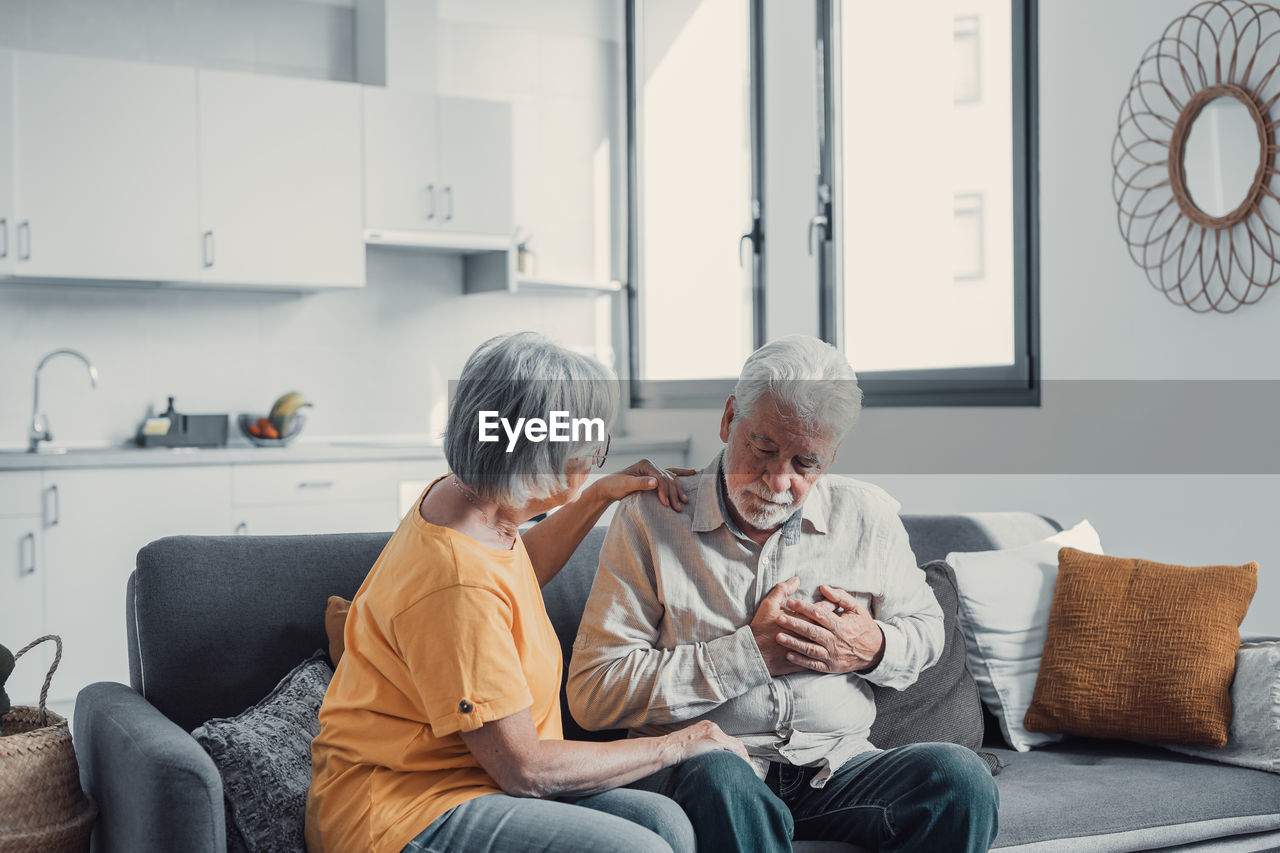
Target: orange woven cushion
{"points": [[335, 622], [1140, 650]]}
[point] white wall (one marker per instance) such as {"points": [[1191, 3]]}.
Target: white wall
{"points": [[373, 361]]}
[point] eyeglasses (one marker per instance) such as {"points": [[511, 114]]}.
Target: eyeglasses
{"points": [[599, 456]]}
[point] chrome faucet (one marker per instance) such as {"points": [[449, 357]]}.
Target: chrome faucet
{"points": [[39, 423]]}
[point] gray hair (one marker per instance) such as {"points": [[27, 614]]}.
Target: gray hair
{"points": [[523, 375], [809, 376]]}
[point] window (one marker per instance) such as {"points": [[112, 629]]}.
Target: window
{"points": [[933, 267], [693, 150], [901, 210]]}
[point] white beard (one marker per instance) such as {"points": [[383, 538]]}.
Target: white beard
{"points": [[777, 506]]}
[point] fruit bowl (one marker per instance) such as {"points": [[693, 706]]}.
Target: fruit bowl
{"points": [[295, 426]]}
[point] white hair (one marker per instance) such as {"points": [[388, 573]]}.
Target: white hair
{"points": [[523, 375], [810, 377]]}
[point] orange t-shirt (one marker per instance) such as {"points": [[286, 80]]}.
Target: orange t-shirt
{"points": [[444, 635]]}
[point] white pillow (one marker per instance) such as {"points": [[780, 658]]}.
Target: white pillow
{"points": [[1005, 599], [1253, 738]]}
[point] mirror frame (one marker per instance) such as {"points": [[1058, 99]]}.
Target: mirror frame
{"points": [[1220, 48], [1178, 147]]}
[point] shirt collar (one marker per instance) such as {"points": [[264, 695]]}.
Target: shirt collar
{"points": [[709, 511]]}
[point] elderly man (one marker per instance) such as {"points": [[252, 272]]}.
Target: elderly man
{"points": [[768, 606]]}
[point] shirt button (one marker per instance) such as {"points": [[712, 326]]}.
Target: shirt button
{"points": [[466, 707]]}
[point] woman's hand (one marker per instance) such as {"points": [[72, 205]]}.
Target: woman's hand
{"points": [[644, 476], [702, 737]]}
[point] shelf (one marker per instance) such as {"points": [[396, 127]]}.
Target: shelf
{"points": [[566, 285], [488, 262], [439, 241]]}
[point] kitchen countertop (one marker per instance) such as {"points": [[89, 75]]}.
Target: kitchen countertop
{"points": [[318, 450]]}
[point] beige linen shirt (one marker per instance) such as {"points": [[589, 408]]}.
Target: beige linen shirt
{"points": [[665, 639]]}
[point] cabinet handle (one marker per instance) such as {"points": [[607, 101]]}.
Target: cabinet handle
{"points": [[29, 549], [448, 194], [51, 520], [206, 249], [24, 246], [4, 235], [242, 528], [431, 202], [316, 484]]}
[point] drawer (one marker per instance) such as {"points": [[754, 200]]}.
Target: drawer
{"points": [[316, 483], [20, 493], [340, 517]]}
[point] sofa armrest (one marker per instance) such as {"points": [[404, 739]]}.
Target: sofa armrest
{"points": [[156, 789], [1256, 637]]}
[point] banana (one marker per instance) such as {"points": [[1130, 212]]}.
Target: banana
{"points": [[283, 410]]}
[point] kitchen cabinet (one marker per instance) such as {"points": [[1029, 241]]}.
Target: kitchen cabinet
{"points": [[104, 154], [401, 160], [335, 497], [22, 599], [7, 223], [280, 181], [476, 165], [95, 521], [437, 164]]}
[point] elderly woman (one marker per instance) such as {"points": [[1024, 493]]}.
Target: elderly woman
{"points": [[441, 729]]}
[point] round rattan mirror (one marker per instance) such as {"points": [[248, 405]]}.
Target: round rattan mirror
{"points": [[1194, 155]]}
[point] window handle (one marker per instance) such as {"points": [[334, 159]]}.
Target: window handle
{"points": [[816, 222]]}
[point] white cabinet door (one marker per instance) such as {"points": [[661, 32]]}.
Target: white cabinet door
{"points": [[22, 583], [105, 157], [280, 181], [96, 521], [402, 189], [7, 224], [344, 517], [476, 166], [22, 605]]}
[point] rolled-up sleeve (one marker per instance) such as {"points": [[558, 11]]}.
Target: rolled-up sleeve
{"points": [[907, 613], [618, 676]]}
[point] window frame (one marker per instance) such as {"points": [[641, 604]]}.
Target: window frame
{"points": [[1016, 385], [1012, 385], [680, 393]]}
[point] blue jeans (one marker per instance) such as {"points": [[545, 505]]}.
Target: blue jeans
{"points": [[620, 819], [922, 797]]}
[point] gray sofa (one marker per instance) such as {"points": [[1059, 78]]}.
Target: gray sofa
{"points": [[215, 622]]}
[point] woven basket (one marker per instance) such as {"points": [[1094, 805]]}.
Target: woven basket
{"points": [[42, 809]]}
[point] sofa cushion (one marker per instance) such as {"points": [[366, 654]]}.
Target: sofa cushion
{"points": [[1141, 650], [1253, 738], [1005, 597], [210, 631], [335, 626], [1085, 795], [264, 757], [943, 704]]}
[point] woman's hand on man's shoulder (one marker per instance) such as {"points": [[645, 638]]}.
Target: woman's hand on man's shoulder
{"points": [[646, 476]]}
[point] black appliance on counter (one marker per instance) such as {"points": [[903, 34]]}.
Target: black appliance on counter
{"points": [[173, 429]]}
